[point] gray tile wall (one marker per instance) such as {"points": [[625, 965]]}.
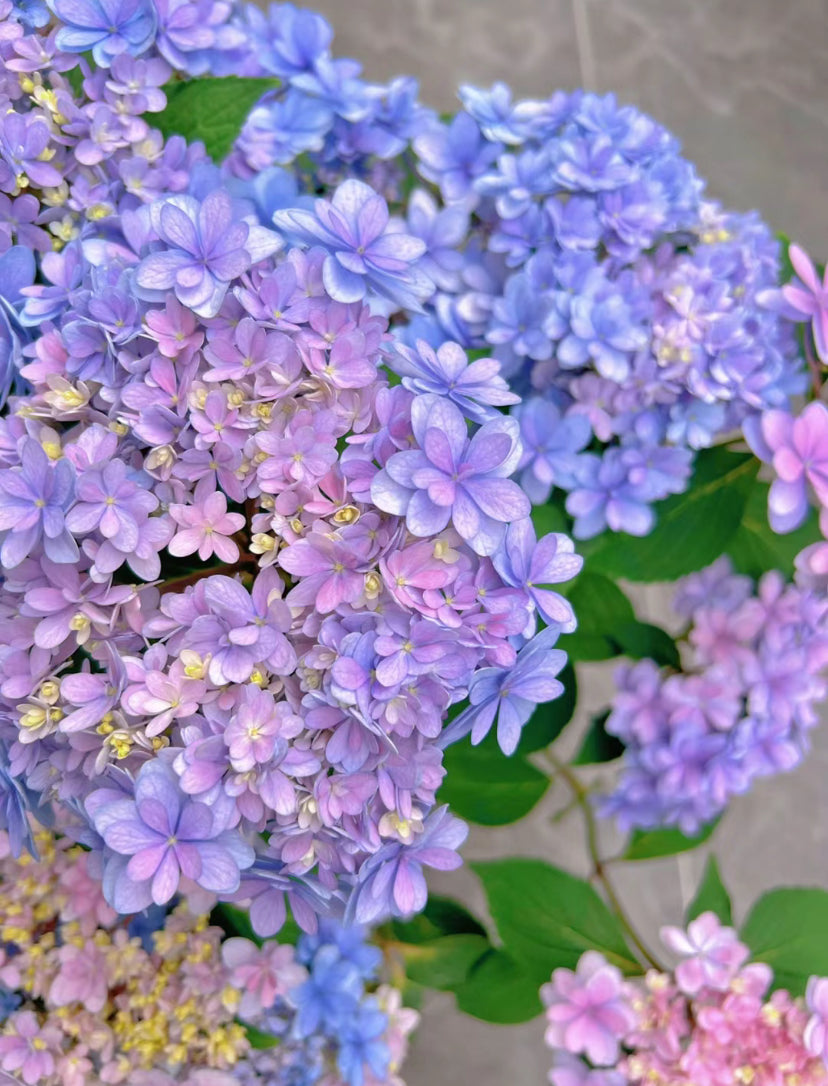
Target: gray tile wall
{"points": [[743, 84]]}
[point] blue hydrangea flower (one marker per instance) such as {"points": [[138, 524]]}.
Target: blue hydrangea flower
{"points": [[106, 27]]}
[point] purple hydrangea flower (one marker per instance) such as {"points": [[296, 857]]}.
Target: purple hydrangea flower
{"points": [[527, 563], [815, 1037], [36, 497], [509, 695], [391, 882], [476, 387], [208, 247], [364, 254], [107, 27], [551, 444], [166, 835], [454, 478]]}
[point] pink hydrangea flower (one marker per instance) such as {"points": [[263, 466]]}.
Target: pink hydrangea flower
{"points": [[712, 953], [206, 526], [29, 1048], [588, 1010], [83, 978], [261, 973]]}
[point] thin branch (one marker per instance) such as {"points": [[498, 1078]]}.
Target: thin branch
{"points": [[580, 796]]}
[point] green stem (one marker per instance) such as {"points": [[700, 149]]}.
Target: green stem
{"points": [[581, 797]]}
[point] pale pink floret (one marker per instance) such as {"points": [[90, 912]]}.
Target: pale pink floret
{"points": [[712, 953], [82, 978], [262, 974], [205, 527], [588, 1011]]}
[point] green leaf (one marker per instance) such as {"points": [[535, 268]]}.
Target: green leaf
{"points": [[486, 787], [788, 929], [599, 606], [711, 896], [211, 109], [551, 517], [443, 963], [549, 720], [258, 1039], [692, 529], [641, 639], [499, 990], [650, 844], [598, 744], [547, 918], [756, 548], [441, 916]]}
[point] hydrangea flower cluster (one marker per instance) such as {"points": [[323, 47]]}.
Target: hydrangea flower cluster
{"points": [[315, 1000], [245, 572], [712, 1020], [161, 1001], [741, 709], [626, 308], [87, 999]]}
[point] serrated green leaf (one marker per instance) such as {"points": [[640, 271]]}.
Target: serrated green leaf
{"points": [[788, 929], [212, 109], [484, 786], [443, 963], [441, 916], [549, 720], [599, 745], [499, 990], [650, 844], [711, 896], [692, 529], [756, 548], [641, 639], [547, 918]]}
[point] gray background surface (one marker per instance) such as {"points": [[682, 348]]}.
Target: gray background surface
{"points": [[743, 84]]}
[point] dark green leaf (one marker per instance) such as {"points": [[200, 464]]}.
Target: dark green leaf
{"points": [[711, 895], [599, 606], [756, 548], [547, 918], [486, 787], [640, 639], [598, 744], [234, 921], [649, 844], [441, 916], [500, 990], [692, 529], [788, 929], [211, 109], [549, 720], [443, 963]]}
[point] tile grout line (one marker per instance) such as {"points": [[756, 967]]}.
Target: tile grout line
{"points": [[583, 41]]}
